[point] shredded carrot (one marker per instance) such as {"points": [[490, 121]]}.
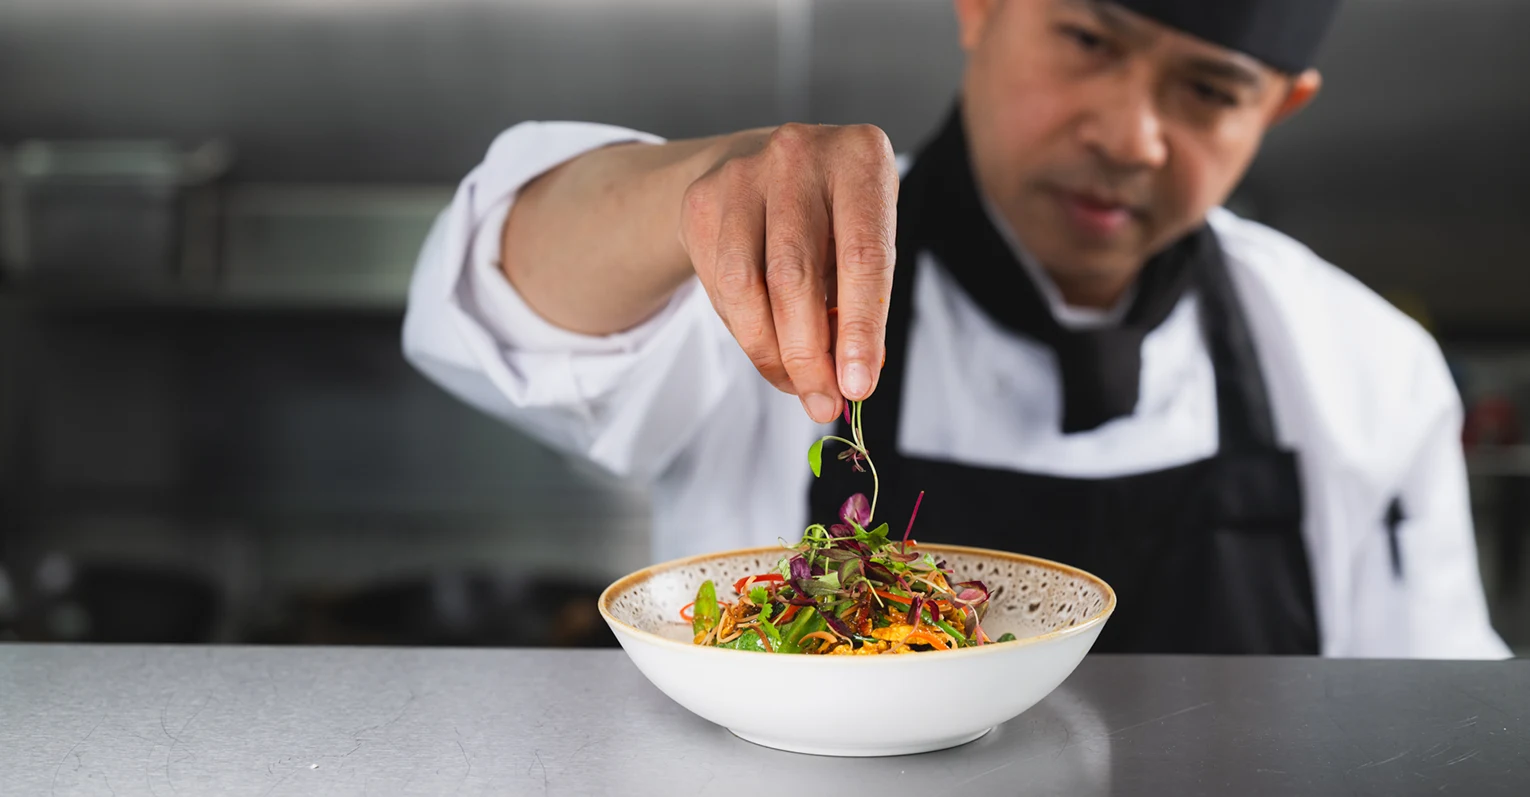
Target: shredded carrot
{"points": [[920, 636], [894, 598]]}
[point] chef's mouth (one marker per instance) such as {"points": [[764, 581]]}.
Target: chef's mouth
{"points": [[1097, 214]]}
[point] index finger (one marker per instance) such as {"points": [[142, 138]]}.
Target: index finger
{"points": [[864, 197]]}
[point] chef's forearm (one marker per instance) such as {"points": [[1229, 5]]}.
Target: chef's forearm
{"points": [[593, 245]]}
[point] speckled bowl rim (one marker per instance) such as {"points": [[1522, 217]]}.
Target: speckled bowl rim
{"points": [[633, 579]]}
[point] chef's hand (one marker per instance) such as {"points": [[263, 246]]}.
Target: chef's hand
{"points": [[786, 225]]}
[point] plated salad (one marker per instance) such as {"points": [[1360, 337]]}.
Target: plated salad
{"points": [[846, 589]]}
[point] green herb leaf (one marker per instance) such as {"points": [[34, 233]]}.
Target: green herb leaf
{"points": [[826, 584], [815, 457], [806, 622], [1005, 637], [877, 537], [748, 640], [759, 597], [769, 627]]}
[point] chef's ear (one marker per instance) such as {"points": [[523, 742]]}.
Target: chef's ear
{"points": [[1303, 88], [972, 17]]}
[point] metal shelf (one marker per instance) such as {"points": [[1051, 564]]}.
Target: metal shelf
{"points": [[1508, 461]]}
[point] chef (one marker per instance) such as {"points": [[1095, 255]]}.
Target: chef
{"points": [[1074, 351]]}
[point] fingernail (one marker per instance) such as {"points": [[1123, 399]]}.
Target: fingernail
{"points": [[857, 380], [820, 407]]}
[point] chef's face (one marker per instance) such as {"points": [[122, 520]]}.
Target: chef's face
{"points": [[1102, 136]]}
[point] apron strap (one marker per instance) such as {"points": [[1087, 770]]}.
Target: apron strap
{"points": [[1244, 417]]}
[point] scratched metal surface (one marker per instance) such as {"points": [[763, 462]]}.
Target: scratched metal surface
{"points": [[288, 721]]}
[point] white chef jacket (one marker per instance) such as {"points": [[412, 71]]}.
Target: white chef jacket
{"points": [[1358, 390]]}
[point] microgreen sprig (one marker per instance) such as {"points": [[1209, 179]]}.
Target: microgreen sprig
{"points": [[855, 451], [843, 584]]}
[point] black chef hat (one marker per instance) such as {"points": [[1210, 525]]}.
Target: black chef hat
{"points": [[1282, 33]]}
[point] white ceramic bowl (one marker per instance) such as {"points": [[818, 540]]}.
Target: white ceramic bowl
{"points": [[833, 705]]}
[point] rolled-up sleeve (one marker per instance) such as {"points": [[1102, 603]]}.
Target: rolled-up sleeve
{"points": [[627, 401]]}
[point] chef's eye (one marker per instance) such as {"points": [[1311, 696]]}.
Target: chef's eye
{"points": [[1087, 40], [1212, 95]]}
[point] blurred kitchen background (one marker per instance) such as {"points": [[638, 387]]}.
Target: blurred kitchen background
{"points": [[209, 210]]}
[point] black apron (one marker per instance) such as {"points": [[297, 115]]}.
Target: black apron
{"points": [[1206, 557]]}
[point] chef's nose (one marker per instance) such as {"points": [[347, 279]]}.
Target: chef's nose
{"points": [[1126, 130]]}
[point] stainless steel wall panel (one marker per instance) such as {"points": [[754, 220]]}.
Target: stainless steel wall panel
{"points": [[399, 90]]}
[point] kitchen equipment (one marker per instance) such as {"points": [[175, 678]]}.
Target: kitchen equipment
{"points": [[10, 217], [451, 607], [100, 214], [1056, 612], [7, 607], [74, 600], [1493, 437]]}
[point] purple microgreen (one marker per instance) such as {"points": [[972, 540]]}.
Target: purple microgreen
{"points": [[970, 593], [836, 624], [840, 555], [847, 413], [841, 530], [800, 570], [852, 571], [913, 609], [978, 635], [856, 547], [911, 516], [856, 510], [879, 571]]}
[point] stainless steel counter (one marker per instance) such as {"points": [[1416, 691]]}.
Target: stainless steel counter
{"points": [[278, 721]]}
